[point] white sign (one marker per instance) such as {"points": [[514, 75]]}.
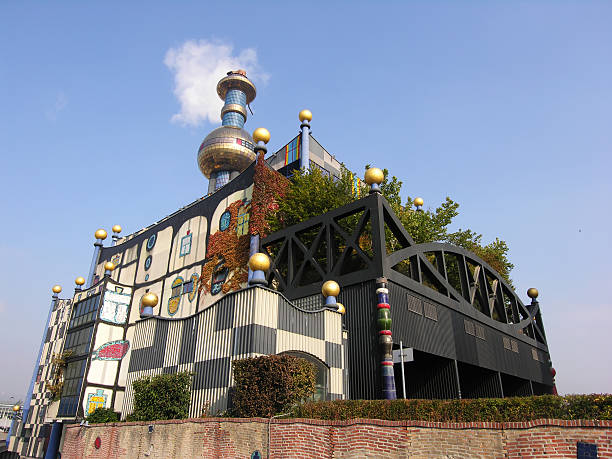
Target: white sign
{"points": [[408, 355]]}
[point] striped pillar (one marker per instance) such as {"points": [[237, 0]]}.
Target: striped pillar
{"points": [[94, 262], [385, 340], [305, 140]]}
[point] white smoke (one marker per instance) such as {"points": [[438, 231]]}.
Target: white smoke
{"points": [[197, 67]]}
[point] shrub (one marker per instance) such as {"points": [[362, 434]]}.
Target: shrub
{"points": [[164, 396], [270, 385], [514, 409], [102, 416]]}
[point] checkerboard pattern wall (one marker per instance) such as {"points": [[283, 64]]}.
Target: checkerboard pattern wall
{"points": [[31, 434], [248, 323]]}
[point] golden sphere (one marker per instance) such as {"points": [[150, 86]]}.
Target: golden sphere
{"points": [[532, 292], [16, 408], [109, 266], [341, 308], [149, 299], [261, 135], [259, 262], [374, 175], [418, 202], [117, 229], [330, 288], [79, 280], [305, 115], [56, 289], [100, 234]]}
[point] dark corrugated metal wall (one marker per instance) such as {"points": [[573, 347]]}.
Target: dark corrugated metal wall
{"points": [[438, 330], [363, 369], [428, 376]]}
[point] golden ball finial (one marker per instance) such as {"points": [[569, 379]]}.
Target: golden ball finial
{"points": [[330, 288], [305, 115], [100, 234], [341, 308], [532, 293], [109, 266], [418, 202], [374, 175], [79, 280], [149, 299], [259, 262], [261, 135], [117, 229], [56, 289], [16, 407]]}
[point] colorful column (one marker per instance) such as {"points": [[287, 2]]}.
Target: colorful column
{"points": [[305, 118], [385, 340], [100, 235]]}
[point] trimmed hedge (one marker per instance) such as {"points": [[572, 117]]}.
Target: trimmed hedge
{"points": [[164, 396], [515, 409], [102, 415], [270, 385]]}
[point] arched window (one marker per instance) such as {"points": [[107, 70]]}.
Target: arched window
{"points": [[321, 376]]}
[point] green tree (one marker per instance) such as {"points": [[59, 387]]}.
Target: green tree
{"points": [[165, 396], [432, 226], [312, 194]]}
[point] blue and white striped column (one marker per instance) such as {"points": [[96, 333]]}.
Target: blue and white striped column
{"points": [[305, 118], [100, 235]]}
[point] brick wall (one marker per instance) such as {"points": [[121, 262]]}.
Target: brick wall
{"points": [[297, 438]]}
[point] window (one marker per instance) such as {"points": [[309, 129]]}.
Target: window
{"points": [[243, 222], [151, 241], [73, 379], [177, 286], [185, 245], [224, 221]]}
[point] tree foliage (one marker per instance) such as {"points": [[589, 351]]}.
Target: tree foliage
{"points": [[103, 415], [308, 195], [270, 385], [313, 193], [165, 396]]}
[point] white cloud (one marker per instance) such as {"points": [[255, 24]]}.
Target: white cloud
{"points": [[197, 67], [60, 103]]}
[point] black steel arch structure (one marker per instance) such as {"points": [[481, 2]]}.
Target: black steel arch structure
{"points": [[470, 333]]}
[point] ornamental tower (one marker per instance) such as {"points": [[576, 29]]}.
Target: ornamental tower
{"points": [[229, 149]]}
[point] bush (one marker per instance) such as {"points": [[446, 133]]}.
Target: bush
{"points": [[102, 416], [270, 385], [164, 396], [515, 409]]}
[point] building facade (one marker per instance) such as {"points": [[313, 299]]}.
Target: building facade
{"points": [[179, 295]]}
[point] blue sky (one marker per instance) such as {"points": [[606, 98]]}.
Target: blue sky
{"points": [[503, 106]]}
